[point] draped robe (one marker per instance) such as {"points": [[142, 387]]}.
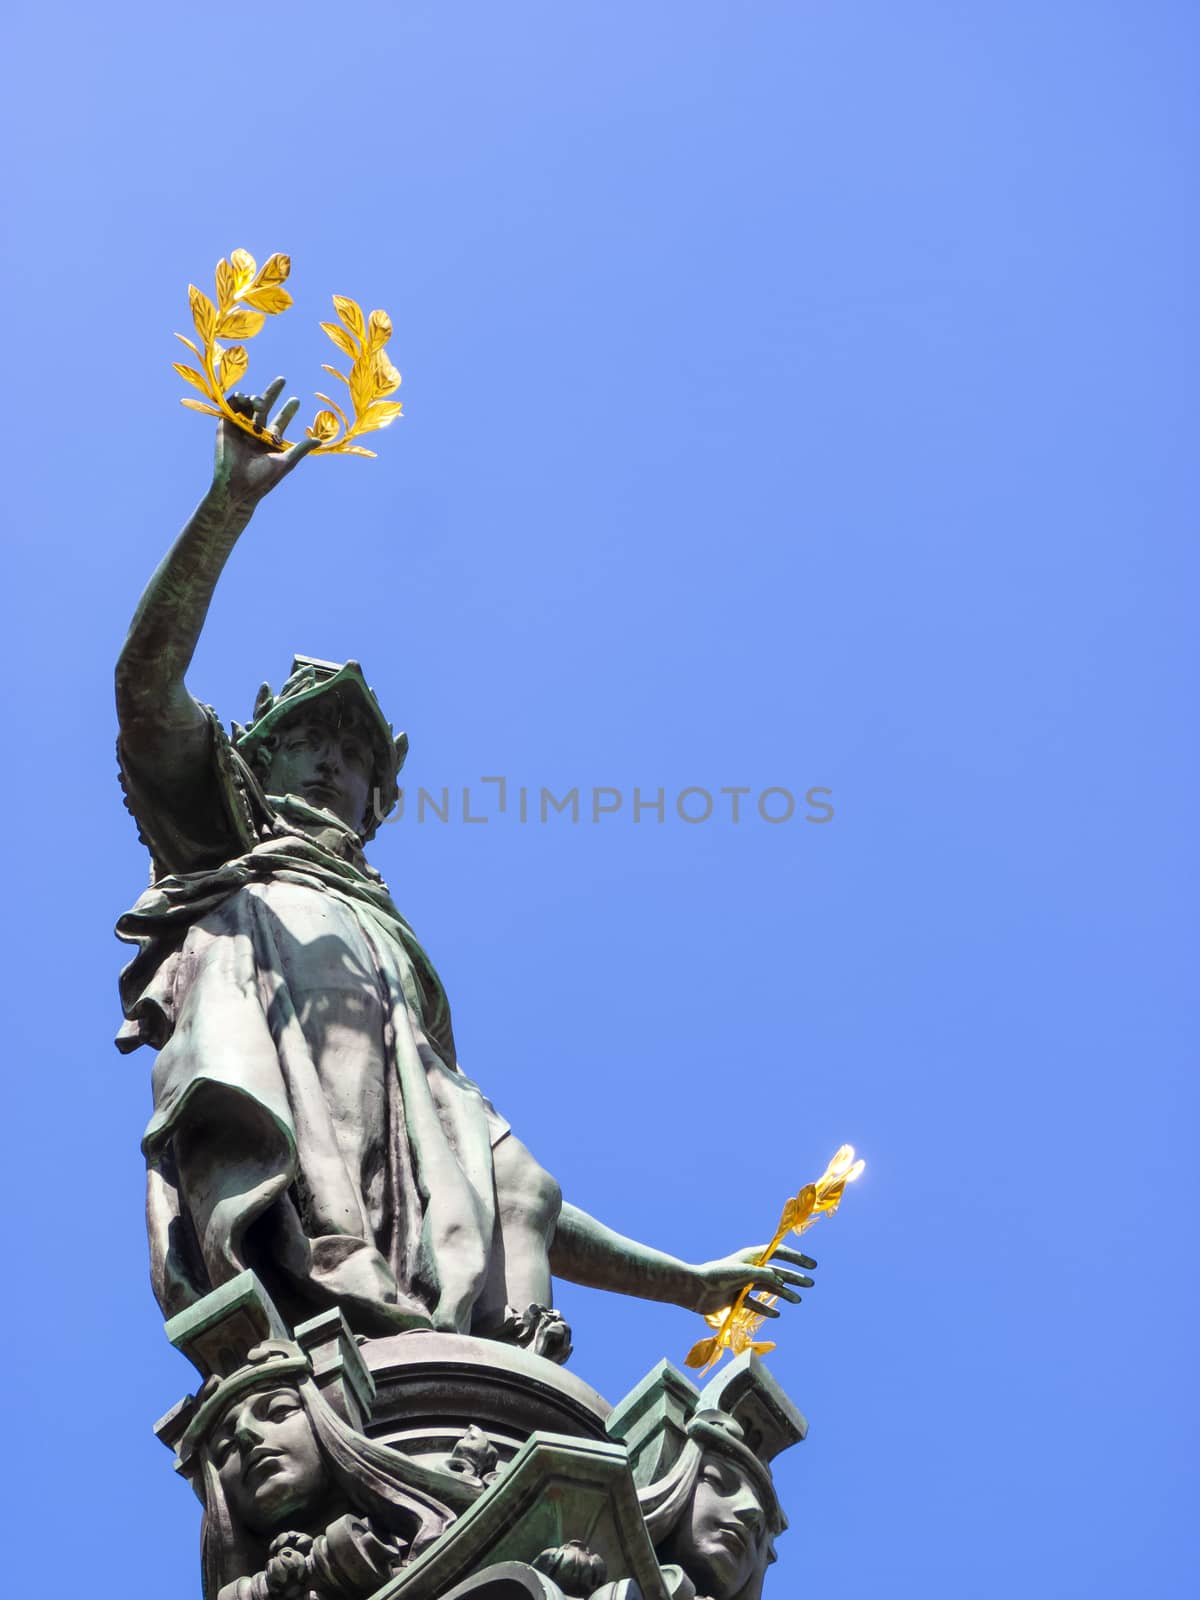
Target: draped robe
{"points": [[310, 1117]]}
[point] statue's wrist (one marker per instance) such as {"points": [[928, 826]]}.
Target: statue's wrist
{"points": [[225, 508], [684, 1286], [698, 1291]]}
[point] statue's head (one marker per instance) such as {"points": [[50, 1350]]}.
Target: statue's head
{"points": [[721, 1541], [716, 1514], [268, 1460], [267, 1454], [324, 738]]}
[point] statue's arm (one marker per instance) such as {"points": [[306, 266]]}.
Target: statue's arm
{"points": [[586, 1251], [162, 727], [163, 730]]}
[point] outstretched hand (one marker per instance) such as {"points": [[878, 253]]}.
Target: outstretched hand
{"points": [[247, 468], [718, 1283]]}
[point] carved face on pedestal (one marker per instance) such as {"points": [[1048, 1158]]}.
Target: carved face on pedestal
{"points": [[326, 760], [268, 1460], [721, 1542]]}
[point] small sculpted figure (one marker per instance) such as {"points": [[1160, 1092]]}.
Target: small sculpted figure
{"points": [[295, 1501], [311, 1118], [714, 1517]]}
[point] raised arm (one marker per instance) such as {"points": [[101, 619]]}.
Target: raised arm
{"points": [[163, 730]]}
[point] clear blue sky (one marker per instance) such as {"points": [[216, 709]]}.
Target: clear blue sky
{"points": [[797, 394]]}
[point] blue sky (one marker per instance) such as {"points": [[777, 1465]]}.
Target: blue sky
{"points": [[797, 394]]}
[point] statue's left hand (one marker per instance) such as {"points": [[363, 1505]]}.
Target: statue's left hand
{"points": [[718, 1283]]}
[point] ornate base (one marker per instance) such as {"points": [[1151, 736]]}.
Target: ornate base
{"points": [[429, 1466]]}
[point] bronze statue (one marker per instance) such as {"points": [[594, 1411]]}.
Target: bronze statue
{"points": [[311, 1120]]}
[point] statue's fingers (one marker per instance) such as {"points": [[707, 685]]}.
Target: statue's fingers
{"points": [[763, 1278], [785, 1275], [753, 1253], [761, 1308], [242, 404], [264, 402], [286, 412], [778, 1279], [297, 452], [795, 1257]]}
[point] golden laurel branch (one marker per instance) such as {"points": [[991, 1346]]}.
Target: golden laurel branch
{"points": [[246, 294], [737, 1324]]}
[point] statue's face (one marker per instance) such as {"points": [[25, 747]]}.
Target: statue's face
{"points": [[268, 1460], [327, 765], [721, 1544]]}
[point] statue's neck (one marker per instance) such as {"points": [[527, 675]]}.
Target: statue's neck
{"points": [[319, 825]]}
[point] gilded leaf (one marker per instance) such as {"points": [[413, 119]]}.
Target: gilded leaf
{"points": [[196, 379], [239, 324], [761, 1346], [226, 284], [378, 415], [198, 405], [387, 379], [234, 362], [270, 299], [843, 1159], [357, 450], [194, 348], [805, 1201], [343, 341], [351, 314], [790, 1214], [334, 373], [274, 270], [831, 1185], [379, 330], [244, 266], [701, 1354], [204, 313], [336, 409], [324, 427], [362, 386]]}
